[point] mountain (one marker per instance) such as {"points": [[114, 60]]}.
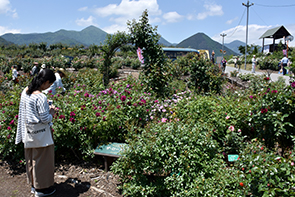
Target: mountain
{"points": [[202, 41], [93, 35], [234, 45], [164, 42], [4, 42], [86, 37]]}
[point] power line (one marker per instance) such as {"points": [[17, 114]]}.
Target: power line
{"points": [[238, 24], [259, 17], [275, 5]]}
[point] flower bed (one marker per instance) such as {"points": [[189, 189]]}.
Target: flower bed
{"points": [[178, 144]]}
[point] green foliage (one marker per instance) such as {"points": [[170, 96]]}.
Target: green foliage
{"points": [[265, 173], [155, 71], [251, 50], [234, 73], [172, 159], [179, 67], [269, 63], [179, 142], [272, 117], [204, 76], [112, 43]]}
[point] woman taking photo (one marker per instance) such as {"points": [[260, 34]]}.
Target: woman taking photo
{"points": [[33, 129]]}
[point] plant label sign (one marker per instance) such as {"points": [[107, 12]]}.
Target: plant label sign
{"points": [[111, 149], [232, 158]]}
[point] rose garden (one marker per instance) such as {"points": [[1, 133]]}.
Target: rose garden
{"points": [[180, 119]]}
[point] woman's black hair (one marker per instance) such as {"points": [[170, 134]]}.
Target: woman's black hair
{"points": [[43, 76]]}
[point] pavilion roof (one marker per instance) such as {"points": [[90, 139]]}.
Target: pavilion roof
{"points": [[276, 33]]}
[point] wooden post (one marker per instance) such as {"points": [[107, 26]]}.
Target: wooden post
{"points": [[262, 45]]}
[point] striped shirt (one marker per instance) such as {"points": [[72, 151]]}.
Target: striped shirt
{"points": [[32, 109]]}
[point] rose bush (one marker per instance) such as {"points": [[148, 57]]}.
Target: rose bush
{"points": [[178, 144]]}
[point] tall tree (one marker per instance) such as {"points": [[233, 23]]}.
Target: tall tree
{"points": [[155, 70]]}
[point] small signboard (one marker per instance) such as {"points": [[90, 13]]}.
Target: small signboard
{"points": [[232, 158], [111, 149]]}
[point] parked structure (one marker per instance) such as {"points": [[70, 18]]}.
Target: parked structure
{"points": [[274, 33], [173, 53]]}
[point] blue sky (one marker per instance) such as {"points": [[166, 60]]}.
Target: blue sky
{"points": [[176, 19]]}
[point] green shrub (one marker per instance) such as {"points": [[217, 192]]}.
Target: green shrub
{"points": [[265, 173], [135, 64], [174, 159], [269, 63], [205, 77]]}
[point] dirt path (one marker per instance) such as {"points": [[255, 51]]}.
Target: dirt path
{"points": [[71, 180]]}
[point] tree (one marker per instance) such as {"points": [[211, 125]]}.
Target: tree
{"points": [[252, 50], [43, 46], [92, 50], [33, 46], [112, 44], [144, 36], [242, 49]]}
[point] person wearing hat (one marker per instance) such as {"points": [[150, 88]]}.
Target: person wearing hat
{"points": [[43, 66], [60, 73], [253, 63], [213, 57], [35, 69]]}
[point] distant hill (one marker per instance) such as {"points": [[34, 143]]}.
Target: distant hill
{"points": [[234, 45], [202, 41], [94, 35], [86, 37], [164, 42], [4, 42]]}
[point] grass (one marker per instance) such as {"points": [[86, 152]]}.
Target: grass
{"points": [[248, 67]]}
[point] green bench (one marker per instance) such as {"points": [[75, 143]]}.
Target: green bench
{"points": [[110, 152]]}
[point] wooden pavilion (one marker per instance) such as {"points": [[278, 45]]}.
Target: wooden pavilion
{"points": [[274, 33]]}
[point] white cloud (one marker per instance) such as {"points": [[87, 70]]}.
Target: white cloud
{"points": [[231, 21], [172, 17], [86, 22], [4, 30], [83, 9], [211, 10], [239, 33], [155, 20], [115, 28], [127, 10], [5, 8]]}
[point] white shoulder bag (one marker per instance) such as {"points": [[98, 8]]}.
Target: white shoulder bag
{"points": [[37, 135]]}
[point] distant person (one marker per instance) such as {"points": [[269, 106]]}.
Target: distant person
{"points": [[43, 66], [213, 57], [223, 64], [284, 63], [33, 129], [254, 63], [236, 61], [35, 69], [14, 74], [60, 73]]}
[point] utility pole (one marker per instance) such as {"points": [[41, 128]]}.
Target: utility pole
{"points": [[247, 5], [223, 35]]}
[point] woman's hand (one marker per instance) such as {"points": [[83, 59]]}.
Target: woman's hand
{"points": [[52, 110]]}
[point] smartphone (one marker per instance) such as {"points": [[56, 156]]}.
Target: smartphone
{"points": [[50, 102]]}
